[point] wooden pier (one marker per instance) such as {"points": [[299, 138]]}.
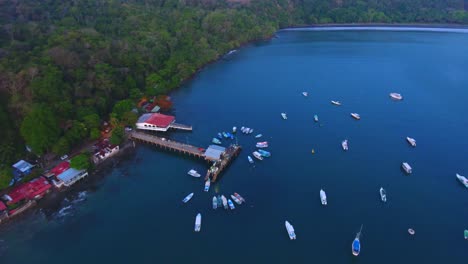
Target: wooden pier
{"points": [[216, 168], [226, 158], [169, 144]]}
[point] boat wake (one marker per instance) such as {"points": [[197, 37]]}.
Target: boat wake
{"points": [[69, 206]]}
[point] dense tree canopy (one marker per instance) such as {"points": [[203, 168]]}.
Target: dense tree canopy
{"points": [[80, 162], [65, 64]]}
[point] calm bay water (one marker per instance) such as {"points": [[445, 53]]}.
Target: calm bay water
{"points": [[134, 213]]}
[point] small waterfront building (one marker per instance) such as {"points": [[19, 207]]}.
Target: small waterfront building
{"points": [[214, 152], [155, 122], [105, 152], [69, 177], [57, 170], [32, 190], [21, 168]]}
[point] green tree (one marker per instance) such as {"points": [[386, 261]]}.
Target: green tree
{"points": [[61, 147], [129, 119], [40, 129], [91, 121], [122, 107], [5, 177], [80, 162], [117, 137], [94, 134]]}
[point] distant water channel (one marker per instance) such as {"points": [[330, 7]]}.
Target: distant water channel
{"points": [[134, 213]]}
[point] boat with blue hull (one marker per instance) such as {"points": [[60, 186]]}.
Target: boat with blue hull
{"points": [[356, 246], [264, 153]]}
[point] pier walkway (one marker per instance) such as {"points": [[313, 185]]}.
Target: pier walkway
{"points": [[180, 126]]}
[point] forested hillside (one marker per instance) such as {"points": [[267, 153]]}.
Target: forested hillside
{"points": [[65, 64]]}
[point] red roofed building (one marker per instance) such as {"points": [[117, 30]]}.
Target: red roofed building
{"points": [[60, 168], [34, 189], [155, 122]]}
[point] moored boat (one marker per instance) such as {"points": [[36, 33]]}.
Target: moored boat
{"points": [[193, 173], [396, 96], [215, 202], [356, 116], [411, 141], [290, 229], [462, 179], [234, 129], [323, 197], [383, 194], [245, 130], [219, 201], [305, 94], [239, 197], [198, 222], [187, 198], [263, 144], [336, 102], [466, 234], [258, 136], [220, 136], [406, 167], [284, 116], [250, 159], [225, 135], [344, 144], [316, 118], [231, 136], [237, 201], [264, 153], [250, 131], [356, 246], [225, 202], [231, 204], [216, 141], [207, 185], [257, 155]]}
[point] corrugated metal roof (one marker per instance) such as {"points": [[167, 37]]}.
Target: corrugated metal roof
{"points": [[69, 174], [22, 166], [214, 152]]}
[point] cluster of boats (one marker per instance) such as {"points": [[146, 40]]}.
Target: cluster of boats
{"points": [[221, 201], [260, 153]]}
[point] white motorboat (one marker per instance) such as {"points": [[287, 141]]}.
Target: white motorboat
{"points": [[323, 197], [383, 194], [194, 173], [336, 102], [258, 136], [207, 185], [231, 204], [284, 116], [305, 94], [239, 202], [406, 167], [356, 116], [234, 129], [198, 223], [396, 96], [462, 179], [225, 202], [344, 144], [411, 141], [215, 202], [250, 159], [239, 197], [290, 229], [257, 155], [187, 198], [263, 144], [250, 131]]}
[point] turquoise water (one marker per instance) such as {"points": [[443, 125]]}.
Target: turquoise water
{"points": [[133, 212]]}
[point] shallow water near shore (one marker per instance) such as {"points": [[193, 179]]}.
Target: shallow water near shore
{"points": [[135, 215]]}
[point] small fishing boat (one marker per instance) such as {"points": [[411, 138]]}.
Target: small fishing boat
{"points": [[396, 96], [219, 201], [290, 229], [284, 116], [250, 159], [187, 198], [220, 136], [245, 130], [207, 185], [198, 223], [231, 204], [462, 179], [316, 118], [411, 141], [336, 102], [193, 173], [406, 167], [323, 197], [250, 131], [263, 144], [313, 151], [216, 141], [239, 197], [305, 94], [225, 135], [225, 202], [258, 136], [264, 153], [229, 135], [257, 155], [411, 231], [239, 202], [356, 116], [344, 144], [215, 202], [466, 234], [234, 129], [383, 194], [356, 246]]}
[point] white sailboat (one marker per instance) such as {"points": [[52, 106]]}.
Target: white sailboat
{"points": [[284, 116], [344, 144], [396, 96], [187, 198], [383, 194], [225, 202], [411, 141], [323, 197], [197, 223], [290, 229], [336, 102], [462, 179]]}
